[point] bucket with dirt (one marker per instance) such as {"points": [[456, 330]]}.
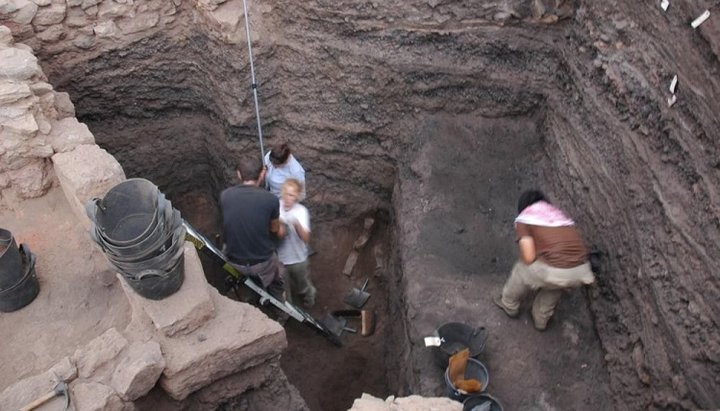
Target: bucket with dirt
{"points": [[456, 337], [10, 261], [482, 402], [474, 370], [24, 291]]}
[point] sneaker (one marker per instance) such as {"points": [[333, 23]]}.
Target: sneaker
{"points": [[510, 313]]}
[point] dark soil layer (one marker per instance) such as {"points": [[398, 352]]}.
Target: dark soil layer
{"points": [[438, 112]]}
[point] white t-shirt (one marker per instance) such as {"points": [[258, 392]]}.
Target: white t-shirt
{"points": [[292, 248]]}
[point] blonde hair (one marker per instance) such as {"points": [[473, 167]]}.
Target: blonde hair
{"points": [[291, 182]]}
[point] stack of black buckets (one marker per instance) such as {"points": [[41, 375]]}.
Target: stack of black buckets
{"points": [[142, 237], [18, 282]]}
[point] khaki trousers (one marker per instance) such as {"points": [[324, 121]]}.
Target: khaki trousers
{"points": [[549, 283], [297, 277]]}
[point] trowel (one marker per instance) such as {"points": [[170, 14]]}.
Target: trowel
{"points": [[357, 297]]}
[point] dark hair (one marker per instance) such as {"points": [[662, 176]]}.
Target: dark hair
{"points": [[530, 197], [280, 153], [249, 168]]}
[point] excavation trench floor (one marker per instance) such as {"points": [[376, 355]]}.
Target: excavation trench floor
{"points": [[456, 207]]}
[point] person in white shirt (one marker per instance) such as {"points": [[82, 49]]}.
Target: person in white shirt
{"points": [[293, 249], [281, 165]]}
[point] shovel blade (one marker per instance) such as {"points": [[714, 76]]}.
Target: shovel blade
{"points": [[356, 298]]}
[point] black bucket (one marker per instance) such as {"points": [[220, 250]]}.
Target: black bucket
{"points": [[157, 284], [473, 370], [478, 402], [24, 291], [152, 246], [456, 337], [129, 212], [161, 261], [11, 270], [157, 234]]}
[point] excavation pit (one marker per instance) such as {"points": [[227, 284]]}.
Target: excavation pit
{"points": [[430, 117]]}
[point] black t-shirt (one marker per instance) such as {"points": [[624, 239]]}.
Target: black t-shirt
{"points": [[247, 212]]}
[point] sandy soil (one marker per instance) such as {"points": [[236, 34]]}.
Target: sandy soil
{"points": [[79, 297]]}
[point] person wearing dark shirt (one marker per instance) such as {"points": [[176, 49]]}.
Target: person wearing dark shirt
{"points": [[553, 257], [251, 223]]}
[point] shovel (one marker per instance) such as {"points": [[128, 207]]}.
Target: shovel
{"points": [[357, 297], [334, 324]]}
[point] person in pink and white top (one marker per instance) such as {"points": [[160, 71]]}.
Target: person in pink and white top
{"points": [[553, 257]]}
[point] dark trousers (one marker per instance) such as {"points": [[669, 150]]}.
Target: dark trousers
{"points": [[268, 273]]}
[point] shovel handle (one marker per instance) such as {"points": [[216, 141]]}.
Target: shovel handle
{"points": [[38, 402]]}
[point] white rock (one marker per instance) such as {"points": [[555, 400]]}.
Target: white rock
{"points": [[89, 3], [18, 64], [84, 41], [42, 2], [105, 29], [63, 105], [30, 388], [140, 22], [138, 371], [6, 38], [228, 15], [93, 396], [25, 13], [40, 88], [74, 3], [32, 180], [239, 337], [53, 14], [85, 173], [11, 91], [23, 124], [110, 10], [52, 34], [68, 133], [100, 351]]}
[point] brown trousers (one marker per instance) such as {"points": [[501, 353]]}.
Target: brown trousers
{"points": [[268, 273]]}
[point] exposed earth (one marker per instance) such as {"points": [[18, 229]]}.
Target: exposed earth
{"points": [[432, 116]]}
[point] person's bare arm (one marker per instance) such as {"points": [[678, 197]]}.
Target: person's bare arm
{"points": [[277, 228], [527, 249], [302, 233]]}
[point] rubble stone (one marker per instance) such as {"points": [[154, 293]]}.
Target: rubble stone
{"points": [[84, 173], [25, 13], [28, 389], [52, 14], [238, 338], [18, 64], [99, 352], [6, 38], [140, 22], [412, 403], [11, 92], [68, 133], [64, 105], [93, 396], [184, 311], [31, 180], [138, 371], [105, 29]]}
